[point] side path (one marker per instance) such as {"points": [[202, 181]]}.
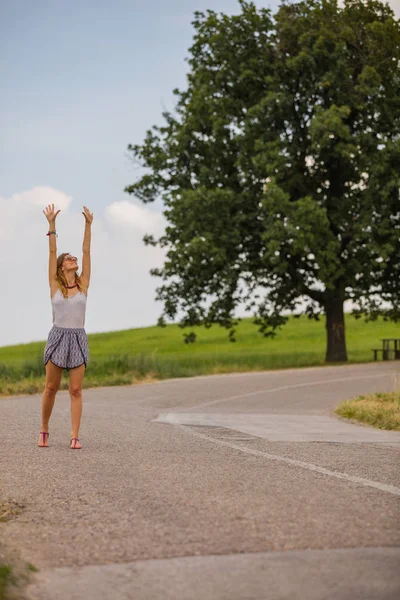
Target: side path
{"points": [[152, 509]]}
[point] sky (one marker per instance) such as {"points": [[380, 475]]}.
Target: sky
{"points": [[80, 81]]}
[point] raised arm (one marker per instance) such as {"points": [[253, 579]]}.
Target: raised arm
{"points": [[51, 215], [85, 275]]}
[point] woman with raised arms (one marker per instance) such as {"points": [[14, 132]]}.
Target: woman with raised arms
{"points": [[67, 344]]}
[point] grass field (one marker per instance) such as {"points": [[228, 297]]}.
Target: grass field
{"points": [[125, 357]]}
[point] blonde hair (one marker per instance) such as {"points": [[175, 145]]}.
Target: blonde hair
{"points": [[62, 282]]}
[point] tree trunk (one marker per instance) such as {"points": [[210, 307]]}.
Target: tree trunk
{"points": [[336, 341]]}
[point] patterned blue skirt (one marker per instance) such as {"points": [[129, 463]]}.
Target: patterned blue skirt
{"points": [[67, 347]]}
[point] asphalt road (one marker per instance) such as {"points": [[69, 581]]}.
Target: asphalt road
{"points": [[236, 487]]}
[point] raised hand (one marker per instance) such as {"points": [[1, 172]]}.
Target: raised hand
{"points": [[50, 214], [88, 215]]}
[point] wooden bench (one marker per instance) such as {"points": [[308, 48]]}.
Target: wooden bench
{"points": [[384, 353], [387, 353]]}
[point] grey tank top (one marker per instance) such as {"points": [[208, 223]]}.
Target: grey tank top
{"points": [[69, 312]]}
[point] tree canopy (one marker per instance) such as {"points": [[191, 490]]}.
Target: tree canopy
{"points": [[279, 169]]}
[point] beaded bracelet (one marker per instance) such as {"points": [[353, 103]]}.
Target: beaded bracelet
{"points": [[50, 232]]}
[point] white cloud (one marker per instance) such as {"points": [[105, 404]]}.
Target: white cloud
{"points": [[135, 218], [42, 196], [122, 291], [21, 209]]}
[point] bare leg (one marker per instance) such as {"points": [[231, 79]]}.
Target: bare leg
{"points": [[75, 392], [52, 385]]}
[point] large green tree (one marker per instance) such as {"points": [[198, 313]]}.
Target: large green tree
{"points": [[279, 169]]}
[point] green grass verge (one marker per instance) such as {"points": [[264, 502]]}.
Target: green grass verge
{"points": [[14, 576], [5, 578], [379, 410], [154, 353], [15, 573]]}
